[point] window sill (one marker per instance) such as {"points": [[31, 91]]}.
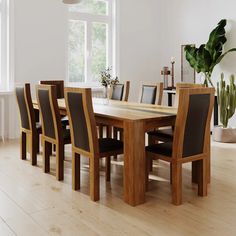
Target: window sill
{"points": [[93, 86], [6, 92]]}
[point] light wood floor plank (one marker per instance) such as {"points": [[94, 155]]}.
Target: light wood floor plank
{"points": [[34, 203]]}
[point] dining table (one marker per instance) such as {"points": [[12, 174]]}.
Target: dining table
{"points": [[136, 120]]}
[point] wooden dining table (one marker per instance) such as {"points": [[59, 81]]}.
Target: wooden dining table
{"points": [[135, 119]]}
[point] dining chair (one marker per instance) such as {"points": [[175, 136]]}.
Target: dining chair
{"points": [[191, 141], [59, 94], [118, 92], [85, 140], [52, 131], [166, 134], [59, 86], [29, 128], [151, 94]]}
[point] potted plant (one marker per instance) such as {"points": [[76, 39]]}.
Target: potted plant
{"points": [[226, 95], [207, 56], [107, 80]]}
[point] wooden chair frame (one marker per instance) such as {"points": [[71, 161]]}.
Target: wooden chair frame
{"points": [[200, 162], [184, 85], [114, 129], [29, 137], [58, 83], [154, 139], [159, 93], [125, 93], [47, 142], [94, 155]]}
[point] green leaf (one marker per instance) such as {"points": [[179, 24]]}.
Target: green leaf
{"points": [[207, 56], [216, 40], [203, 59], [223, 55]]}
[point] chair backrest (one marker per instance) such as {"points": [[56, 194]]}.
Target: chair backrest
{"points": [[184, 85], [192, 126], [25, 105], [49, 111], [120, 91], [82, 120], [59, 86], [152, 94]]}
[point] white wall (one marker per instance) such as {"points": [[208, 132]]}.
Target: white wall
{"points": [[150, 32], [153, 30], [40, 46], [139, 49], [40, 40]]}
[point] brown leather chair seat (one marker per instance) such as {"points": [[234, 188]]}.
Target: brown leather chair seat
{"points": [[161, 148], [163, 134], [109, 144]]}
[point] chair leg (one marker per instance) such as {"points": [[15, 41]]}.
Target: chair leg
{"points": [[115, 136], [38, 143], [176, 183], [75, 171], [60, 161], [94, 178], [100, 131], [33, 149], [195, 170], [54, 148], [202, 177], [108, 169], [151, 140], [47, 148], [23, 146], [108, 133], [208, 166], [147, 169], [121, 135]]}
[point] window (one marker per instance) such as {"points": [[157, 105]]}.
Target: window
{"points": [[4, 45], [90, 41]]}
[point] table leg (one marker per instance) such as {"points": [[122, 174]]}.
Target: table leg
{"points": [[134, 162]]}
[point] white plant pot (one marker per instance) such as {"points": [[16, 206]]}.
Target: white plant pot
{"points": [[224, 135]]}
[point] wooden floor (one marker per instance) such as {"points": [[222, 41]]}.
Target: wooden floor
{"points": [[34, 203]]}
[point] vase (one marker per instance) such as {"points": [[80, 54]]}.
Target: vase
{"points": [[106, 94]]}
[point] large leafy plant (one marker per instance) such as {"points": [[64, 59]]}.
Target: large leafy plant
{"points": [[207, 56]]}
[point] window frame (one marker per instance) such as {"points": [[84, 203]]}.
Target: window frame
{"points": [[6, 41], [89, 19]]}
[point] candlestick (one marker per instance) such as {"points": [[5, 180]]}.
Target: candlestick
{"points": [[172, 74]]}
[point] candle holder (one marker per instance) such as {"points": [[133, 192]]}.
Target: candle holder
{"points": [[173, 74], [165, 72]]}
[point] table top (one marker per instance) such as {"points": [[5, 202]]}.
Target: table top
{"points": [[127, 110], [124, 110]]}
